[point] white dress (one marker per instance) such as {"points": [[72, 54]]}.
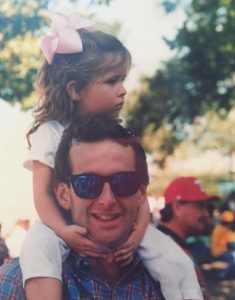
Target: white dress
{"points": [[43, 251]]}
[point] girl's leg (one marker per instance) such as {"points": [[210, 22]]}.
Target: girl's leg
{"points": [[41, 262], [43, 288]]}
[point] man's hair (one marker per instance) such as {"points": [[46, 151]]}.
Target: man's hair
{"points": [[95, 128], [167, 213]]}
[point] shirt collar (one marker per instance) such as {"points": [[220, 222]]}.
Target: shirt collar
{"points": [[84, 264], [175, 237]]}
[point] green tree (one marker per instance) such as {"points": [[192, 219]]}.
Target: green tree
{"points": [[22, 24], [199, 77]]}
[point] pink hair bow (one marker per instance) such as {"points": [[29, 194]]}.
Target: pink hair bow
{"points": [[64, 38]]}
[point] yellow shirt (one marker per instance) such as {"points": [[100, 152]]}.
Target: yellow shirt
{"points": [[220, 238]]}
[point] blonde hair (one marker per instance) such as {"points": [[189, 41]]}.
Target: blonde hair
{"points": [[101, 52]]}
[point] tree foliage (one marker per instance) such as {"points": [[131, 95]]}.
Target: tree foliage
{"points": [[199, 77], [22, 24]]}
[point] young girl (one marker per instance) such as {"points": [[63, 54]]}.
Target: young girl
{"points": [[84, 73]]}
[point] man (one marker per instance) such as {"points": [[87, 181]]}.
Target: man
{"points": [[100, 182], [186, 214], [223, 243]]}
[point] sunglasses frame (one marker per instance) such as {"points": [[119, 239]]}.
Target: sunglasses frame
{"points": [[103, 180]]}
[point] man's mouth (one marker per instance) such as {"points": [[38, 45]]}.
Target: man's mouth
{"points": [[106, 217]]}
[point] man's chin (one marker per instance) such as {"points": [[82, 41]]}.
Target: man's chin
{"points": [[107, 244]]}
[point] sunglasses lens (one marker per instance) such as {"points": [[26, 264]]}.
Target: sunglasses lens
{"points": [[87, 186], [125, 184]]}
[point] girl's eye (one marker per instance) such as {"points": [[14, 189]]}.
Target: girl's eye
{"points": [[113, 80]]}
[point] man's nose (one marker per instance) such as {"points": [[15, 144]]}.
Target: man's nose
{"points": [[107, 198]]}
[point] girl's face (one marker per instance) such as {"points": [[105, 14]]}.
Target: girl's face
{"points": [[105, 92]]}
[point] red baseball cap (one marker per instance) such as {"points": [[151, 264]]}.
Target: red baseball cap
{"points": [[186, 189]]}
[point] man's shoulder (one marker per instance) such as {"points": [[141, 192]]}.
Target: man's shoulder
{"points": [[10, 268], [11, 286]]}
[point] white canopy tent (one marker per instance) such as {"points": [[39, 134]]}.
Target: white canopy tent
{"points": [[16, 201]]}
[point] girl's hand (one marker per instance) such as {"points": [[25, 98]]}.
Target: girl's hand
{"points": [[124, 254], [75, 237]]}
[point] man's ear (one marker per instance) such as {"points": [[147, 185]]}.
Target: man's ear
{"points": [[177, 208], [142, 194], [63, 196], [71, 90]]}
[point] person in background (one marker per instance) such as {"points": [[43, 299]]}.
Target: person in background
{"points": [[185, 214], [200, 245], [223, 243], [228, 203]]}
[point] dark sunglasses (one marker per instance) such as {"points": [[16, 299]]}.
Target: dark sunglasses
{"points": [[90, 185]]}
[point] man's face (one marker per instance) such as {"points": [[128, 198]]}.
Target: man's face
{"points": [[108, 218], [193, 217]]}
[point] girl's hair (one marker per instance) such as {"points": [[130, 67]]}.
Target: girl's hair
{"points": [[101, 52]]}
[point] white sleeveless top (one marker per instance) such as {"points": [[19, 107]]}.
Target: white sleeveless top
{"points": [[44, 144]]}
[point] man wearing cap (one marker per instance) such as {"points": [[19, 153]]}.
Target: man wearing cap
{"points": [[185, 214]]}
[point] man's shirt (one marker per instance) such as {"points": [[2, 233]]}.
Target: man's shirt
{"points": [[81, 282], [4, 251]]}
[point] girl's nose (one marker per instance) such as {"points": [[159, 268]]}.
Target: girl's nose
{"points": [[122, 91]]}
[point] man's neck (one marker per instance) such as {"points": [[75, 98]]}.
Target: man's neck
{"points": [[173, 226], [108, 268]]}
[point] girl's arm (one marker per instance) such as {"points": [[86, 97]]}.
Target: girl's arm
{"points": [[125, 252], [74, 235], [43, 198]]}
